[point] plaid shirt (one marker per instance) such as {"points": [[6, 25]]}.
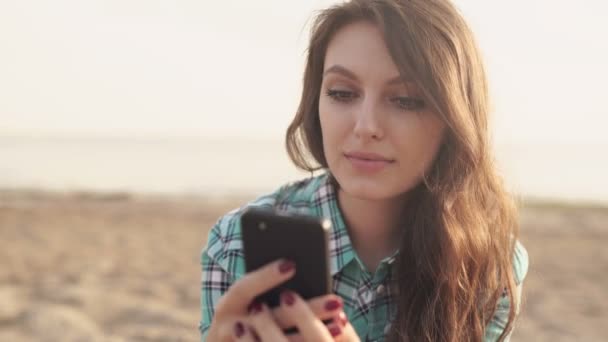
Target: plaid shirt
{"points": [[367, 296]]}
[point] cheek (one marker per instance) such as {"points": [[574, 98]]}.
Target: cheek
{"points": [[326, 130], [334, 126], [418, 141], [432, 144], [435, 129]]}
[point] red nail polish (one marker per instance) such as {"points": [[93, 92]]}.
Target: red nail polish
{"points": [[288, 298], [255, 307], [239, 329], [333, 304], [286, 266], [335, 331]]}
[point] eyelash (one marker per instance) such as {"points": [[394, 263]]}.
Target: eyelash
{"points": [[404, 103], [341, 95]]}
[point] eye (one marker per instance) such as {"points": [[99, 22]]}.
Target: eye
{"points": [[341, 95], [408, 103]]}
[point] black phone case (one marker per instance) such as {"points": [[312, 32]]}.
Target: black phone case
{"points": [[268, 236]]}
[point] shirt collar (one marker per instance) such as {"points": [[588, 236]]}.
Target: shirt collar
{"points": [[325, 204]]}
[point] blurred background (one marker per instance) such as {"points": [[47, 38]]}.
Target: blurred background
{"points": [[128, 127]]}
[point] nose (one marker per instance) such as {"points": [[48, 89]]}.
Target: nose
{"points": [[368, 125]]}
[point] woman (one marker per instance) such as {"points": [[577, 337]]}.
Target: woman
{"points": [[424, 246]]}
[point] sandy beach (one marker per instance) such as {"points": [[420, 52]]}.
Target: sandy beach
{"points": [[121, 267]]}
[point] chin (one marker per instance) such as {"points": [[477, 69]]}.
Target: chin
{"points": [[386, 185], [367, 188]]}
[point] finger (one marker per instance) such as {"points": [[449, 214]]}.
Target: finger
{"points": [[244, 290], [347, 331], [242, 333], [338, 335], [264, 324], [335, 330], [348, 334], [227, 327], [323, 307], [340, 329], [309, 326], [295, 338], [254, 334]]}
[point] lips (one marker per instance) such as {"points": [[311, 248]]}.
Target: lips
{"points": [[368, 156], [368, 162]]}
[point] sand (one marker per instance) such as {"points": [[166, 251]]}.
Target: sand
{"points": [[121, 267]]}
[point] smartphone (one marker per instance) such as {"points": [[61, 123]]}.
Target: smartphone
{"points": [[269, 235]]}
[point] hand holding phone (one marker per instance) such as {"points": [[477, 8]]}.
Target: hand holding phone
{"points": [[273, 243], [268, 236]]}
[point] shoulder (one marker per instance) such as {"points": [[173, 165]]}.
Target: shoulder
{"points": [[224, 243], [499, 321], [520, 262]]}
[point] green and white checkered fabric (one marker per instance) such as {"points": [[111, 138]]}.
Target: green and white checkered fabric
{"points": [[367, 296]]}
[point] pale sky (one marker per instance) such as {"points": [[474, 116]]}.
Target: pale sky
{"points": [[233, 68]]}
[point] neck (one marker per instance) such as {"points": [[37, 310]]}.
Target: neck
{"points": [[373, 226]]}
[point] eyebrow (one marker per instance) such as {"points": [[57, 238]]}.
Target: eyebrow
{"points": [[338, 69]]}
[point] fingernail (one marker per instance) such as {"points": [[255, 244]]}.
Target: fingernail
{"points": [[343, 319], [286, 266], [239, 329], [288, 298], [255, 307], [333, 304], [335, 330]]}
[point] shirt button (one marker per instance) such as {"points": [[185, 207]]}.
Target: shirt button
{"points": [[380, 289]]}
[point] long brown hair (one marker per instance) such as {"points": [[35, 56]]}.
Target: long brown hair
{"points": [[457, 252]]}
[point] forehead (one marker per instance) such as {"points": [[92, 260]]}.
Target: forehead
{"points": [[360, 48]]}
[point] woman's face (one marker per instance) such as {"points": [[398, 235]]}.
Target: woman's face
{"points": [[378, 135]]}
